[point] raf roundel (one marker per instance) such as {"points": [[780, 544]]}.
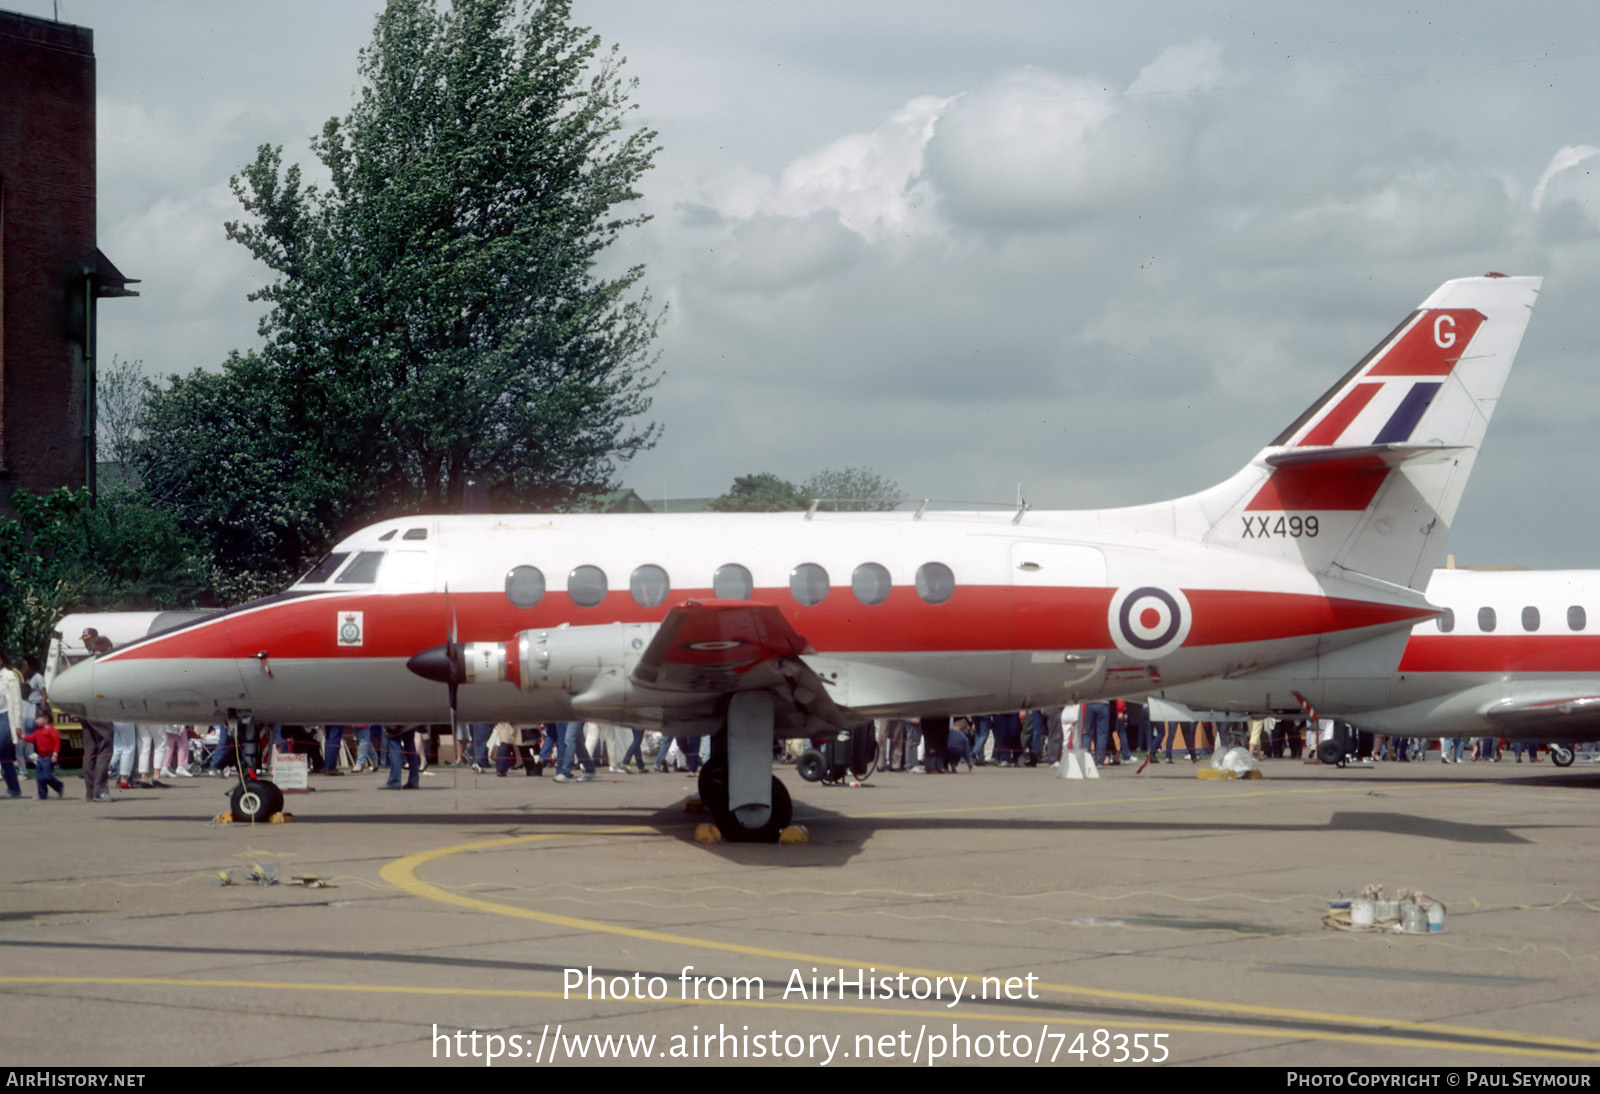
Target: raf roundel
{"points": [[1148, 622]]}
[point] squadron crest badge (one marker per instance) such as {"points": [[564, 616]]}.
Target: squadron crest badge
{"points": [[350, 628]]}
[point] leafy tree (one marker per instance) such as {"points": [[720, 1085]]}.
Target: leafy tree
{"points": [[437, 315], [852, 489], [119, 399], [225, 460], [60, 554], [762, 493]]}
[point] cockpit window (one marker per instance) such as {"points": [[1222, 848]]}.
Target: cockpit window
{"points": [[363, 571], [415, 533], [387, 536], [323, 570]]}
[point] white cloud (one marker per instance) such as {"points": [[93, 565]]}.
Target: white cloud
{"points": [[1179, 69], [1037, 149], [1570, 176], [864, 180], [767, 253]]}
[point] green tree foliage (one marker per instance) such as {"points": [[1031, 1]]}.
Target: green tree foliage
{"points": [[852, 489], [59, 554], [119, 399], [223, 456], [438, 315], [762, 493]]}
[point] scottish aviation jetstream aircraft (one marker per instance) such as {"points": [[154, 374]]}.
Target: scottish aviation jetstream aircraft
{"points": [[1513, 654], [754, 626]]}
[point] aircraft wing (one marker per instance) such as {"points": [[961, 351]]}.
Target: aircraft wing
{"points": [[1560, 718], [1170, 710], [724, 646]]}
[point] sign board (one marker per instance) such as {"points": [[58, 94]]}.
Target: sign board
{"points": [[290, 772]]}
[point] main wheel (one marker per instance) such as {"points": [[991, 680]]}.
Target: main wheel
{"points": [[735, 831], [1329, 752], [1562, 755], [254, 801], [714, 793]]}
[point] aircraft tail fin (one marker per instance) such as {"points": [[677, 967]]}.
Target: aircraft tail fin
{"points": [[1366, 482]]}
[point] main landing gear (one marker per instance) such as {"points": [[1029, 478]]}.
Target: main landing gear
{"points": [[745, 800], [253, 800]]}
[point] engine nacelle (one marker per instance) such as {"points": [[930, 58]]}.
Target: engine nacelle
{"points": [[593, 664]]}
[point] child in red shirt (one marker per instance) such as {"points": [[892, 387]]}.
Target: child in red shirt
{"points": [[47, 741]]}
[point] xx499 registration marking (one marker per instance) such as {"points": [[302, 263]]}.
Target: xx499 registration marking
{"points": [[1286, 527]]}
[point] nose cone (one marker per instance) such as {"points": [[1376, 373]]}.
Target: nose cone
{"points": [[73, 690]]}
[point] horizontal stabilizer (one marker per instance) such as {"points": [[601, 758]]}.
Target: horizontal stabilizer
{"points": [[1363, 456]]}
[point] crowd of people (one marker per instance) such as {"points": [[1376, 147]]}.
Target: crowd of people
{"points": [[1117, 732]]}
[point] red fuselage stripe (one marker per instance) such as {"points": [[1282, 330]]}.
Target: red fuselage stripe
{"points": [[1577, 653], [975, 618]]}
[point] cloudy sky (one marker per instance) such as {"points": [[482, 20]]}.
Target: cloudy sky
{"points": [[1101, 250]]}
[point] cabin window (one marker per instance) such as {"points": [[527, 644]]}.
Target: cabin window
{"points": [[935, 582], [732, 582], [1577, 618], [1486, 619], [1447, 621], [363, 571], [525, 586], [323, 570], [809, 583], [586, 586], [1530, 618], [870, 583], [649, 586]]}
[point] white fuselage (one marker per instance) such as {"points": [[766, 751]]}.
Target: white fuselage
{"points": [[950, 613]]}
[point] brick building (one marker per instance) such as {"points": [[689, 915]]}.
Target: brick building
{"points": [[51, 272]]}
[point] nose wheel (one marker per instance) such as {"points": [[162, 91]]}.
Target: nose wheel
{"points": [[254, 801]]}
